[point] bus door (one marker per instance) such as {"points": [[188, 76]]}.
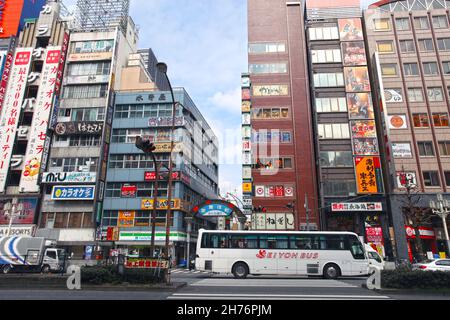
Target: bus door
{"points": [[301, 244], [266, 260], [216, 252], [286, 264], [360, 263]]}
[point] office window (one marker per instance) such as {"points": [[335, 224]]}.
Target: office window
{"points": [[430, 68], [385, 46], [402, 24], [85, 91], [268, 68], [389, 69], [328, 80], [426, 45], [411, 69], [435, 94], [421, 120], [407, 46], [269, 47], [446, 67], [421, 23], [440, 22], [444, 148], [324, 33], [331, 159], [447, 178], [326, 56], [331, 104], [382, 24], [415, 94], [426, 148], [431, 179], [443, 44], [334, 131], [440, 119], [339, 187]]}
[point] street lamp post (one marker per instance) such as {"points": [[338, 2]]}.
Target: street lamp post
{"points": [[12, 211], [189, 220], [162, 67], [441, 208]]}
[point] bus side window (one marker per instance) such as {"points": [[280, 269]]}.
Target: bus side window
{"points": [[205, 240], [224, 241]]}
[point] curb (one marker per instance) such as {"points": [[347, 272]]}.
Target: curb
{"points": [[411, 292]]}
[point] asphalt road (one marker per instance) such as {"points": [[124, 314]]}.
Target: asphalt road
{"points": [[204, 287]]}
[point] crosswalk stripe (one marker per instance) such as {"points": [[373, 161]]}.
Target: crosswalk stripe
{"points": [[273, 283], [211, 296]]}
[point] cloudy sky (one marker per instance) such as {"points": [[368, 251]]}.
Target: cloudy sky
{"points": [[204, 43]]}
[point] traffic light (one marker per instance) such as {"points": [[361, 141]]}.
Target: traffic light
{"points": [[260, 209], [145, 145]]}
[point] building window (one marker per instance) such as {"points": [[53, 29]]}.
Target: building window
{"points": [[421, 23], [407, 46], [339, 187], [92, 46], [382, 24], [269, 47], [440, 22], [334, 131], [87, 69], [426, 149], [426, 45], [447, 178], [415, 94], [421, 120], [389, 69], [440, 119], [85, 91], [430, 68], [328, 80], [326, 56], [443, 44], [331, 105], [435, 94], [411, 69], [268, 68], [331, 159], [446, 67], [324, 33], [385, 46], [402, 24], [444, 148], [431, 179]]}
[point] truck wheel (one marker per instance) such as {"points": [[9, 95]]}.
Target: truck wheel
{"points": [[45, 269], [7, 269]]}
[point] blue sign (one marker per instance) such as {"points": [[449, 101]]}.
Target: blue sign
{"points": [[216, 210], [73, 193]]}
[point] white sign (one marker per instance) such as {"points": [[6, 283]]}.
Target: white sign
{"points": [[393, 95], [405, 178], [246, 158], [21, 231], [11, 112], [69, 177], [397, 121], [246, 118], [246, 173], [401, 150], [355, 207], [41, 116], [260, 191]]}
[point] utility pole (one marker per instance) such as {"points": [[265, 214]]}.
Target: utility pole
{"points": [[307, 212], [441, 208]]}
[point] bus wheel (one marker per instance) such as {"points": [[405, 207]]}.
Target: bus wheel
{"points": [[331, 271], [240, 270]]}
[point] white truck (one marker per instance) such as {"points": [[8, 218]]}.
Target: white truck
{"points": [[29, 254]]}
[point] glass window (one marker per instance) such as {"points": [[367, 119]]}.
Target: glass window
{"points": [[334, 131], [421, 23], [266, 47], [336, 159], [421, 120], [447, 178], [430, 68], [440, 120], [339, 187], [389, 69], [443, 44], [328, 80], [402, 24], [407, 46], [426, 149], [326, 56], [382, 24], [301, 242], [331, 105], [268, 68], [426, 45], [435, 94], [431, 178], [440, 22], [444, 148], [411, 69], [415, 94], [356, 248], [446, 67], [324, 33], [385, 46]]}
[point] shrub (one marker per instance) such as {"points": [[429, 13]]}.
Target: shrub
{"points": [[407, 279], [109, 275]]}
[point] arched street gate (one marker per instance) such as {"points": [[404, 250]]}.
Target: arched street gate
{"points": [[220, 209]]}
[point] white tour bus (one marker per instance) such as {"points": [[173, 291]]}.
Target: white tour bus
{"points": [[327, 254]]}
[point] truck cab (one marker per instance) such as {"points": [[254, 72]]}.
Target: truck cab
{"points": [[374, 258], [54, 260]]}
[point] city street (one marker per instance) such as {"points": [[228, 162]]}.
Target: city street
{"points": [[204, 287]]}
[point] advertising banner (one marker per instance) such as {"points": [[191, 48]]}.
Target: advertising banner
{"points": [[26, 216], [406, 178], [368, 175], [363, 129], [401, 150], [80, 128], [216, 210], [41, 115], [18, 231], [247, 187], [151, 176], [354, 207], [350, 29], [365, 147], [354, 54], [357, 79], [360, 106], [162, 204], [393, 95], [246, 106], [270, 90], [7, 63], [128, 191], [397, 121], [273, 221], [62, 193], [135, 263], [69, 177], [126, 219], [374, 234], [12, 108]]}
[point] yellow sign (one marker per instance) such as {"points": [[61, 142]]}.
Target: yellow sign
{"points": [[126, 219], [165, 147], [247, 187], [147, 204], [368, 175], [246, 106], [442, 255]]}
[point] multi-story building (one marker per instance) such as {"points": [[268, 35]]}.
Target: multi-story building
{"points": [[141, 109], [74, 181], [30, 87], [409, 47], [347, 149], [282, 181]]}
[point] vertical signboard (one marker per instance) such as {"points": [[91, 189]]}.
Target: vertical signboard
{"points": [[6, 72], [38, 134], [13, 102], [368, 175]]}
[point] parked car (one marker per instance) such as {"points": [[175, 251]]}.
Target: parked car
{"points": [[374, 258], [433, 265]]}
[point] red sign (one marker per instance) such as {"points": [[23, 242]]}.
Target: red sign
{"points": [[22, 58], [128, 191], [146, 264], [151, 176], [425, 233], [374, 234], [279, 191]]}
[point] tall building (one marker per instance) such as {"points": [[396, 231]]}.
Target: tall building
{"points": [[75, 179], [349, 166], [279, 168], [147, 112], [409, 48], [30, 88]]}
